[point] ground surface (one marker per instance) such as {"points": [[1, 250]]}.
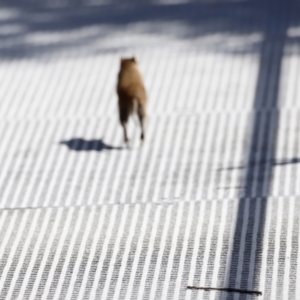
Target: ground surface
{"points": [[213, 197]]}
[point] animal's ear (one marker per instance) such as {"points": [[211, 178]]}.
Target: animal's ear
{"points": [[134, 59], [122, 59]]}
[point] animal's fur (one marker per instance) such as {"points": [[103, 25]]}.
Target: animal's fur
{"points": [[132, 95]]}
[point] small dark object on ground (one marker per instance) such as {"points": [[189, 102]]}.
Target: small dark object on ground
{"points": [[207, 288]]}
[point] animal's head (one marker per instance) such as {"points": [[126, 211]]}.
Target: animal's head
{"points": [[128, 61]]}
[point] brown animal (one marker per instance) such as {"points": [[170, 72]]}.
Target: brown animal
{"points": [[132, 95]]}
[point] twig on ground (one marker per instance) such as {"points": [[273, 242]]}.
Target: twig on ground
{"points": [[207, 288]]}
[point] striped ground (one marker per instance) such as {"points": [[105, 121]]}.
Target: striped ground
{"points": [[211, 199]]}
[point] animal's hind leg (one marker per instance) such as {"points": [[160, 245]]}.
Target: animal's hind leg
{"points": [[124, 115], [126, 140], [142, 118]]}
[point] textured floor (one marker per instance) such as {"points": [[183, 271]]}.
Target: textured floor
{"points": [[211, 199]]}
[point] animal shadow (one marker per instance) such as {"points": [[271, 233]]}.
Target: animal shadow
{"points": [[78, 144]]}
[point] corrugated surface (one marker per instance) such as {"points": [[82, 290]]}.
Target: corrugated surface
{"points": [[213, 196]]}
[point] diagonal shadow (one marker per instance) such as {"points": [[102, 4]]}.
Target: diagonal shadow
{"points": [[271, 162], [78, 144], [244, 265]]}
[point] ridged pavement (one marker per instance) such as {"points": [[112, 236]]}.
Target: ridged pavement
{"points": [[213, 196]]}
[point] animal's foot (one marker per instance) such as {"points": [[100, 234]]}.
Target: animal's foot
{"points": [[127, 143]]}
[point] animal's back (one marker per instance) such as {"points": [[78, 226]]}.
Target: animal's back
{"points": [[130, 83]]}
